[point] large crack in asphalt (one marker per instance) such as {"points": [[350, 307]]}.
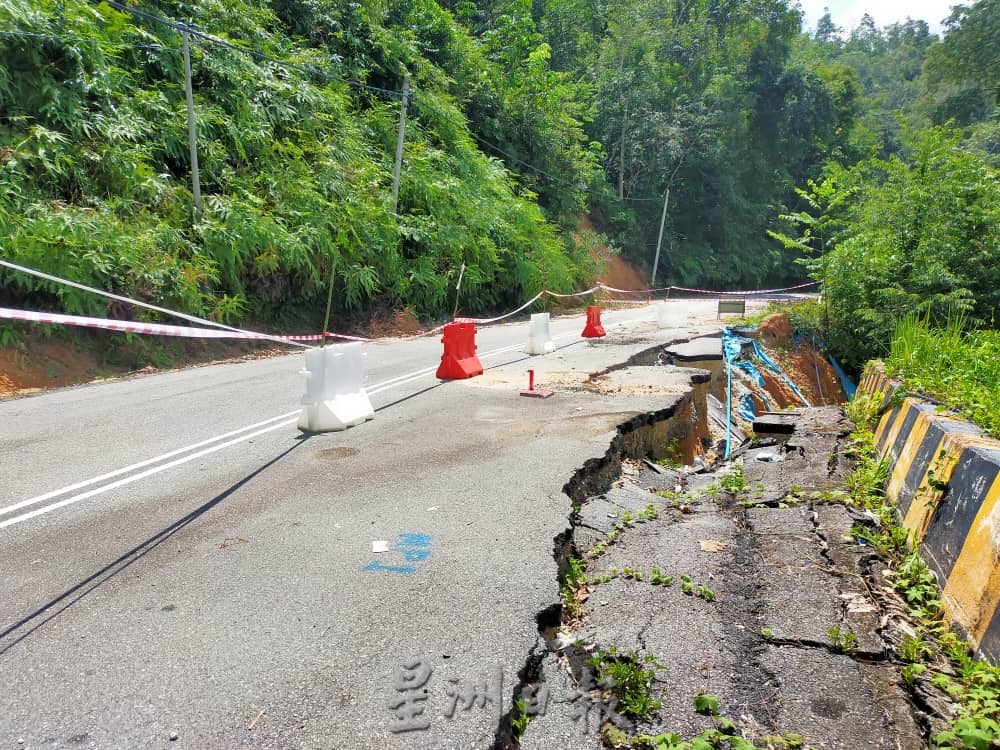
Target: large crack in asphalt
{"points": [[595, 476], [758, 687]]}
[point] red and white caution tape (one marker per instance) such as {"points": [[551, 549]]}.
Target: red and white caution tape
{"points": [[746, 291], [139, 303], [487, 321], [126, 326], [159, 329], [221, 331], [611, 301], [607, 288], [575, 294]]}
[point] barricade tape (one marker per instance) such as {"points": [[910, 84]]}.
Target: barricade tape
{"points": [[607, 288], [127, 326], [487, 321], [612, 301], [129, 300], [746, 291], [575, 294], [230, 332], [159, 329]]}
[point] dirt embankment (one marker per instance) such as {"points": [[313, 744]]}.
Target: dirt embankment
{"points": [[39, 362], [808, 368]]}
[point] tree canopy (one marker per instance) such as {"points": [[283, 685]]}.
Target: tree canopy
{"points": [[526, 120]]}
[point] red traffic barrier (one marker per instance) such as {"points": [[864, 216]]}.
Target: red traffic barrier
{"points": [[593, 329], [459, 359]]}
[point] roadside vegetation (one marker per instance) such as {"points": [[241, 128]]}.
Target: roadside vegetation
{"points": [[755, 139], [935, 658], [961, 368]]}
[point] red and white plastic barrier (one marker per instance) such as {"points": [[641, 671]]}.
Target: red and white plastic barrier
{"points": [[459, 360], [594, 328]]}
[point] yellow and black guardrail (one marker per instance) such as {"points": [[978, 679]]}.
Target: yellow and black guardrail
{"points": [[945, 479]]}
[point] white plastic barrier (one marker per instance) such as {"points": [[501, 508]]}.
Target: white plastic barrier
{"points": [[671, 315], [539, 339], [335, 398]]}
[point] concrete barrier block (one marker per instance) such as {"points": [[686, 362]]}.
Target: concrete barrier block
{"points": [[671, 315], [945, 479]]}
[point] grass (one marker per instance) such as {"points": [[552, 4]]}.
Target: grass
{"points": [[959, 368]]}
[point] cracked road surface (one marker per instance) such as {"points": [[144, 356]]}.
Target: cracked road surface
{"points": [[232, 598], [772, 581]]}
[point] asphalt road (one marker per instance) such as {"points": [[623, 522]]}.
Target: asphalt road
{"points": [[181, 567]]}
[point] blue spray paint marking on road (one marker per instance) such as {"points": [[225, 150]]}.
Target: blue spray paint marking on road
{"points": [[413, 548]]}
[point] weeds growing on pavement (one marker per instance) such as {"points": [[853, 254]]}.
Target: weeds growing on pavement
{"points": [[734, 482], [841, 639], [724, 735], [630, 678], [573, 585], [934, 652]]}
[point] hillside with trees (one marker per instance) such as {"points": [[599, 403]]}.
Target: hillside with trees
{"points": [[869, 153]]}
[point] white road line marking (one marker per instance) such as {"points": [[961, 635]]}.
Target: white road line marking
{"points": [[133, 467], [141, 475], [376, 388]]}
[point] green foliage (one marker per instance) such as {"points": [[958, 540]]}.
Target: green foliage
{"points": [[573, 583], [960, 368], [706, 703], [630, 677], [841, 639], [962, 72], [974, 684], [919, 235], [724, 735], [295, 168], [519, 718], [734, 482], [698, 103]]}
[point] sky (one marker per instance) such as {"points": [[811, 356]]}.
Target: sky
{"points": [[847, 13]]}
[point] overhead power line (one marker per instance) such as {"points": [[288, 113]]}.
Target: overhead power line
{"points": [[306, 69]]}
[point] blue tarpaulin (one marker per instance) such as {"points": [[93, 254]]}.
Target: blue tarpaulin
{"points": [[732, 348]]}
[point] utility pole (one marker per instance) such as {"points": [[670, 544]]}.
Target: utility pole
{"points": [[399, 143], [663, 217], [621, 144], [659, 240], [192, 130]]}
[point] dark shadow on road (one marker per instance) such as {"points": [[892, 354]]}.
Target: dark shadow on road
{"points": [[421, 392], [71, 596]]}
